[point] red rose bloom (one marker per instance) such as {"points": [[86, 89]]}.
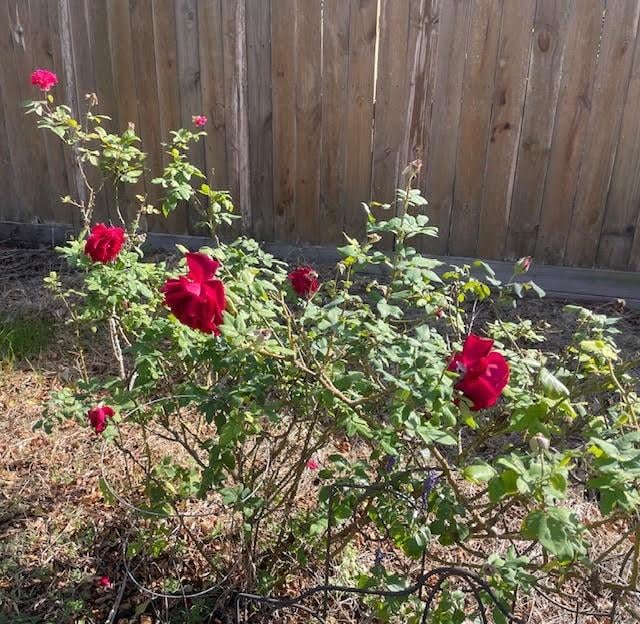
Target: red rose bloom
{"points": [[483, 373], [44, 79], [98, 417], [304, 281], [199, 120], [197, 300], [104, 243]]}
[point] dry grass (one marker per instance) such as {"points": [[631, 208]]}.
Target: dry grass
{"points": [[58, 535]]}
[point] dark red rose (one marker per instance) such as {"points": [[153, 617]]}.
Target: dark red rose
{"points": [[197, 299], [44, 79], [104, 243], [98, 417], [304, 281], [483, 373]]}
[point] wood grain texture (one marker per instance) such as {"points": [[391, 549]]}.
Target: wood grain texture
{"points": [[390, 98], [453, 28], [571, 126], [509, 90], [543, 86], [335, 72], [623, 200], [362, 41], [308, 84], [212, 89], [615, 57], [189, 79], [524, 112], [235, 85], [474, 134], [259, 114], [283, 67]]}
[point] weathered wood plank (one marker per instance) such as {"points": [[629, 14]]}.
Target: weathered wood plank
{"points": [[259, 113], [545, 72], [453, 26], [18, 42], [473, 138], [421, 65], [166, 57], [362, 42], [615, 57], [391, 98], [572, 113], [124, 84], [188, 56], [44, 41], [623, 201], [212, 89], [308, 118], [146, 85], [283, 25], [506, 124], [335, 71], [235, 85]]}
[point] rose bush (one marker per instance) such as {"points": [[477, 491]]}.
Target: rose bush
{"points": [[480, 439]]}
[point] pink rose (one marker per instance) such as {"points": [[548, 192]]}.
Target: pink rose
{"points": [[199, 120], [304, 281], [313, 464], [98, 417], [104, 243], [483, 373], [197, 299], [44, 79], [523, 265]]}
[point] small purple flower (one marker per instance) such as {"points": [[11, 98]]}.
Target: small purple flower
{"points": [[430, 482], [389, 462], [379, 557]]}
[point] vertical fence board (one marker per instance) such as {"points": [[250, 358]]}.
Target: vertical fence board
{"points": [[616, 54], [574, 102], [124, 84], [391, 98], [362, 42], [477, 95], [17, 46], [453, 27], [166, 55], [145, 81], [212, 86], [506, 125], [44, 43], [283, 67], [545, 71], [188, 56], [335, 65], [421, 63], [308, 118], [623, 201], [235, 84], [259, 112]]}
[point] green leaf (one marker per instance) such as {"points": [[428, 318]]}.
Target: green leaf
{"points": [[551, 385], [558, 530], [479, 473]]}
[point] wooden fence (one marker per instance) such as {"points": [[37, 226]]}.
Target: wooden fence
{"points": [[526, 113]]}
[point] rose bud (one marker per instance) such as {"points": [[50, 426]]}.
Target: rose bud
{"points": [[539, 443]]}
